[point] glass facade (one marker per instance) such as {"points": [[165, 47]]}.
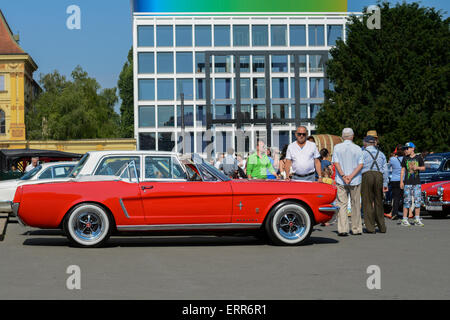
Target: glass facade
{"points": [[171, 60]]}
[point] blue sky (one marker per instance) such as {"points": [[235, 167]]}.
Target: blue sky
{"points": [[102, 44]]}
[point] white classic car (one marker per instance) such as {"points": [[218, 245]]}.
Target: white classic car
{"points": [[45, 171]]}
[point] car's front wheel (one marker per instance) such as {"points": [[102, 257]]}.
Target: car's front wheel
{"points": [[289, 224], [87, 225]]}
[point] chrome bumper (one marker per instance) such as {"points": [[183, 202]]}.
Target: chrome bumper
{"points": [[330, 209], [5, 205]]}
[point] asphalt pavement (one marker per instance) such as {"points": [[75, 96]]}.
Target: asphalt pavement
{"points": [[413, 264]]}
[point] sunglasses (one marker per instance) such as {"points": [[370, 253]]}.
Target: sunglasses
{"points": [[300, 134]]}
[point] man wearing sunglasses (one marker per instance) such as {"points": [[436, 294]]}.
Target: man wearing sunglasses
{"points": [[303, 156]]}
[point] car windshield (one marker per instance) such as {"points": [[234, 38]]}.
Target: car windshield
{"points": [[203, 165], [79, 166], [31, 174], [432, 164]]}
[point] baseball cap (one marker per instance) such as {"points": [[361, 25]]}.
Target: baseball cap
{"points": [[409, 145], [369, 139], [372, 133]]}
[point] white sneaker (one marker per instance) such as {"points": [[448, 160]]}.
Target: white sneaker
{"points": [[405, 223], [418, 222]]}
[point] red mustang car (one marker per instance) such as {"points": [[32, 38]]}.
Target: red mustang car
{"points": [[159, 194], [436, 198]]}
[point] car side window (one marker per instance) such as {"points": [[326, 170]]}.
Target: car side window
{"points": [[446, 166], [163, 167], [47, 174], [111, 166], [61, 172]]}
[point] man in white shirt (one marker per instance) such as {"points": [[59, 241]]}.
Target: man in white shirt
{"points": [[34, 163], [303, 156], [348, 160]]}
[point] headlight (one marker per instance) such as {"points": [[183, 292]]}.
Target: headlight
{"points": [[440, 191]]}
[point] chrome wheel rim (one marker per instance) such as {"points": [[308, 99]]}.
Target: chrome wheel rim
{"points": [[291, 225], [88, 225]]}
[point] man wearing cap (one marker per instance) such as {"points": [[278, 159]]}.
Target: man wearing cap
{"points": [[374, 183], [348, 160], [410, 183]]}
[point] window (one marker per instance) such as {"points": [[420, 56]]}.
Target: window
{"points": [[316, 63], [222, 36], [259, 88], [222, 112], [297, 35], [147, 141], [2, 122], [165, 62], [260, 36], [145, 36], [315, 108], [203, 140], [303, 88], [222, 63], [334, 32], [241, 36], [223, 88], [301, 63], [184, 62], [146, 89], [244, 63], [188, 142], [164, 36], [185, 86], [47, 174], [246, 111], [111, 166], [166, 142], [203, 36], [245, 88], [166, 116], [279, 63], [183, 36], [188, 116], [279, 88], [147, 117], [258, 63], [201, 89], [165, 89], [280, 111], [316, 35], [146, 63], [201, 115], [56, 172], [223, 142], [2, 83], [316, 86], [303, 111], [259, 112], [278, 35], [283, 138]]}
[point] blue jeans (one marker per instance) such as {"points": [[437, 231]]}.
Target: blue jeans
{"points": [[308, 178]]}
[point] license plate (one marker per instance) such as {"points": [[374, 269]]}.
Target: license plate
{"points": [[433, 208]]}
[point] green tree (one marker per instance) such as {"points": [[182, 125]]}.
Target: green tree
{"points": [[126, 93], [394, 79], [72, 109]]}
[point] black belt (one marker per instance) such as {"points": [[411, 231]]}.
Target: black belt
{"points": [[304, 175]]}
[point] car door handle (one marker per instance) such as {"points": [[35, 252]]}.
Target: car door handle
{"points": [[146, 187]]}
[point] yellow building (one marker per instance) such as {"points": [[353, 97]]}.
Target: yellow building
{"points": [[18, 89]]}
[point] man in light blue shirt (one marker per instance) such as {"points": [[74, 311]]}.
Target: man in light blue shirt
{"points": [[374, 183], [348, 160]]}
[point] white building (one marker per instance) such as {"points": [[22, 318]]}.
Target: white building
{"points": [[170, 54]]}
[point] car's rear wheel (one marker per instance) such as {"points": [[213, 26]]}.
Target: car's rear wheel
{"points": [[289, 224], [87, 225]]}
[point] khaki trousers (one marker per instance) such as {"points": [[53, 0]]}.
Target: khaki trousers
{"points": [[342, 201]]}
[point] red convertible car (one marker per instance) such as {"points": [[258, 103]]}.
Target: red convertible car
{"points": [[436, 198], [159, 194]]}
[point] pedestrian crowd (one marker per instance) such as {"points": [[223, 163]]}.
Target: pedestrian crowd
{"points": [[360, 174]]}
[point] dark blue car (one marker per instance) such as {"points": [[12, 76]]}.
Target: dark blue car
{"points": [[437, 168]]}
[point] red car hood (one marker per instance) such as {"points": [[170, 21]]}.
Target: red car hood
{"points": [[431, 188]]}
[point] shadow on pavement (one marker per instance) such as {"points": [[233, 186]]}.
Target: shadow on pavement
{"points": [[175, 241]]}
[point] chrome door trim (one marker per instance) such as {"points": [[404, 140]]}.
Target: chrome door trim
{"points": [[123, 208], [208, 226]]}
